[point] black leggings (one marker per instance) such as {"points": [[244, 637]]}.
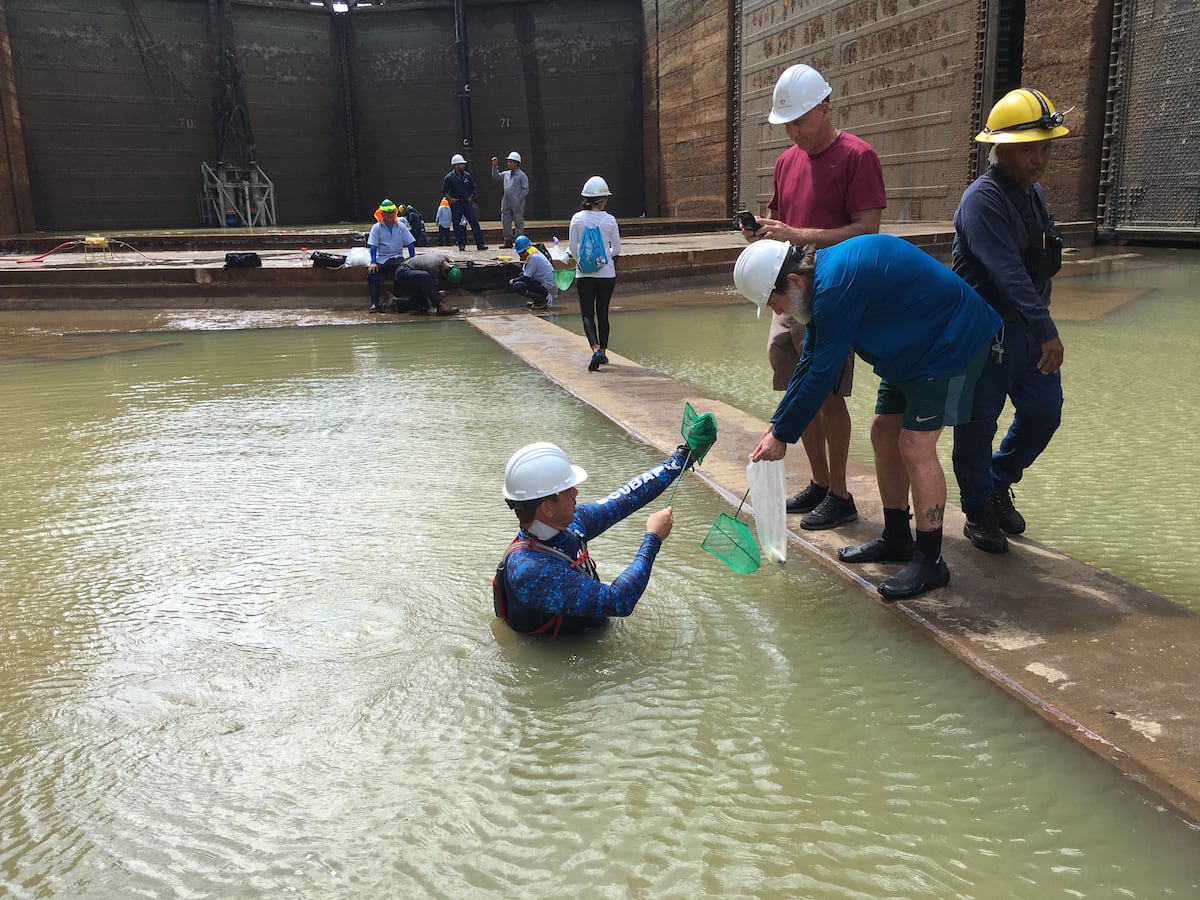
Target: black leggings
{"points": [[595, 294]]}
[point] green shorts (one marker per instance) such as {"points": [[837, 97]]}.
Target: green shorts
{"points": [[932, 403]]}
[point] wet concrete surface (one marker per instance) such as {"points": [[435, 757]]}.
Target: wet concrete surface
{"points": [[1112, 665]]}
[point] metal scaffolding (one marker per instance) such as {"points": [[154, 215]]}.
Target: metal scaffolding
{"points": [[237, 197]]}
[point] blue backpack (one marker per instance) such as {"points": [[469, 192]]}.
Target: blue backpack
{"points": [[593, 255]]}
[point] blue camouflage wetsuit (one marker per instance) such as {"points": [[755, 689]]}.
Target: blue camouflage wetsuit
{"points": [[541, 585]]}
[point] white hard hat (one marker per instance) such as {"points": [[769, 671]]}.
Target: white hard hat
{"points": [[595, 187], [757, 270], [798, 90], [515, 156], [456, 159], [539, 470]]}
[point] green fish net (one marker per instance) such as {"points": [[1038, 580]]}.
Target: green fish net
{"points": [[699, 432], [731, 542]]}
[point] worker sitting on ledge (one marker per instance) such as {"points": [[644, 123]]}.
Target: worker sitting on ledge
{"points": [[388, 241]]}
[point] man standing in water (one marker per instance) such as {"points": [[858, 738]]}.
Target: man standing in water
{"points": [[548, 582], [1007, 248], [828, 187]]}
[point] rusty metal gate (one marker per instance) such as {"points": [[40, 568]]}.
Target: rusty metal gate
{"points": [[904, 78], [1150, 164]]}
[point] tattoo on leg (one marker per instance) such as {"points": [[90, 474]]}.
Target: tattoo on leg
{"points": [[935, 515]]}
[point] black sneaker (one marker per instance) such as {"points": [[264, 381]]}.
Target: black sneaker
{"points": [[1006, 513], [877, 550], [595, 363], [807, 499], [914, 579], [830, 513], [982, 530], [447, 311]]}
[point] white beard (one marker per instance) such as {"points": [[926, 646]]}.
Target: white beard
{"points": [[799, 305]]}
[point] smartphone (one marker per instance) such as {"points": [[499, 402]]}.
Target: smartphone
{"points": [[745, 219]]}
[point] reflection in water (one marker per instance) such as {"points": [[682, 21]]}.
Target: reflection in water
{"points": [[249, 651]]}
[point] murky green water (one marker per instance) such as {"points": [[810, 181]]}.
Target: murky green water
{"points": [[248, 651]]}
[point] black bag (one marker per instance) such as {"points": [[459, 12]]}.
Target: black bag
{"points": [[242, 261], [488, 277], [327, 260]]}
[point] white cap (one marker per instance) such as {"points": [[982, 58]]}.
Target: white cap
{"points": [[515, 156], [456, 159]]}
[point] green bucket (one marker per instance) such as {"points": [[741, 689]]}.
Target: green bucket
{"points": [[731, 542]]}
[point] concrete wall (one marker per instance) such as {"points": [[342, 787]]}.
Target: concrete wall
{"points": [[1067, 58], [116, 108], [688, 111], [116, 98], [112, 101], [902, 77], [16, 200]]}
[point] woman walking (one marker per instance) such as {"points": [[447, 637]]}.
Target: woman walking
{"points": [[595, 244]]}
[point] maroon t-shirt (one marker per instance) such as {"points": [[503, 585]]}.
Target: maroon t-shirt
{"points": [[822, 191]]}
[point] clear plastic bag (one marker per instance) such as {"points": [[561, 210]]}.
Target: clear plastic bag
{"points": [[768, 496]]}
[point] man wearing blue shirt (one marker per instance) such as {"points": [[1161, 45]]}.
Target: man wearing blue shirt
{"points": [[925, 332], [536, 280], [388, 241], [1007, 248], [459, 187], [415, 289], [548, 582]]}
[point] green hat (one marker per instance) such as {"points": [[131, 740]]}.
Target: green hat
{"points": [[387, 206], [454, 276]]}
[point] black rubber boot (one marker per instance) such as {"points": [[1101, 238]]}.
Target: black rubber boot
{"points": [[915, 579], [895, 545], [919, 576]]}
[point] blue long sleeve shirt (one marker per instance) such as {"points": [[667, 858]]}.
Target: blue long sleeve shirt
{"points": [[540, 269], [990, 243], [542, 585], [457, 187], [901, 310]]}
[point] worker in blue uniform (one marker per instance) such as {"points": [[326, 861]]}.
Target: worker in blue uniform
{"points": [[459, 187], [1007, 247]]}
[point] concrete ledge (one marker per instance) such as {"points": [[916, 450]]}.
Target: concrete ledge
{"points": [[1112, 665]]}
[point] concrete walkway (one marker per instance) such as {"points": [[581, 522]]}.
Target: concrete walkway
{"points": [[1112, 665]]}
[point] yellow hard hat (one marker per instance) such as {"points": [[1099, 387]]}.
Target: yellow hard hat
{"points": [[1020, 117]]}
